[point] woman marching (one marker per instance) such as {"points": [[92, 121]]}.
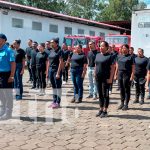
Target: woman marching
{"points": [[41, 62], [54, 67], [141, 63], [125, 69], [104, 72], [20, 66]]}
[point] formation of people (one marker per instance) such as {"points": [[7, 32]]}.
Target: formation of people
{"points": [[49, 64]]}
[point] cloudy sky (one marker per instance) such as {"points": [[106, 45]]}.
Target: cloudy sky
{"points": [[147, 2]]}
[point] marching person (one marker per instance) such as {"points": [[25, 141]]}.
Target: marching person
{"points": [[104, 71], [125, 70], [91, 68], [33, 65], [20, 66], [54, 67], [41, 62], [66, 66], [78, 62], [141, 63], [28, 57], [7, 71]]}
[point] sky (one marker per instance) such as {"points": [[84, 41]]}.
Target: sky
{"points": [[147, 2]]}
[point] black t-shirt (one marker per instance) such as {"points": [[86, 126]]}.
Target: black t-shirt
{"points": [[28, 53], [33, 57], [125, 63], [19, 55], [140, 65], [103, 65], [78, 60], [114, 55], [48, 51], [91, 58], [41, 59], [66, 54], [54, 57]]}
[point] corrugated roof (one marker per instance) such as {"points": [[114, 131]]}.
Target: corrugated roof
{"points": [[50, 14]]}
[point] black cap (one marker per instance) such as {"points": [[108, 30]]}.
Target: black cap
{"points": [[3, 36]]}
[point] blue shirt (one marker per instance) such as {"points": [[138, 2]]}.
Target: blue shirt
{"points": [[6, 57]]}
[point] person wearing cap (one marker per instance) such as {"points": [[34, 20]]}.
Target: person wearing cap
{"points": [[54, 70], [7, 70]]}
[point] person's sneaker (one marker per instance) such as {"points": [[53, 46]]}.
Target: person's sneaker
{"points": [[148, 97], [55, 106], [120, 106], [79, 100], [73, 100], [51, 105], [125, 107], [117, 89], [135, 101], [18, 97], [110, 92], [89, 96], [141, 102], [104, 114], [99, 113]]}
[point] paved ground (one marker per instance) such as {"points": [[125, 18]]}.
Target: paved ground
{"points": [[74, 126]]}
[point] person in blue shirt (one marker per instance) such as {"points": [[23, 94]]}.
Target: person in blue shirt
{"points": [[7, 70]]}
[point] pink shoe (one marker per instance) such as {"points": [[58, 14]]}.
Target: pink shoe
{"points": [[51, 105], [55, 106]]}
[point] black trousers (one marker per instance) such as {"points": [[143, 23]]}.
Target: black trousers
{"points": [[41, 77], [103, 91], [34, 76], [65, 74], [6, 93], [29, 70], [140, 81], [125, 86]]}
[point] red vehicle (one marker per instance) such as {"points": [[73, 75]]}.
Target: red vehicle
{"points": [[74, 40], [118, 40]]}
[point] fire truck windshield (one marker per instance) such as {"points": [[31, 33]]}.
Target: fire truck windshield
{"points": [[68, 41], [81, 41], [117, 40]]}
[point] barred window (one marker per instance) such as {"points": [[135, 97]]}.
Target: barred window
{"points": [[53, 28], [17, 23], [37, 26], [80, 31], [92, 33], [144, 24], [68, 30]]}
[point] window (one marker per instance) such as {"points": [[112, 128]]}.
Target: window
{"points": [[68, 30], [80, 31], [17, 23], [37, 26], [92, 33], [53, 28], [144, 24], [101, 34]]}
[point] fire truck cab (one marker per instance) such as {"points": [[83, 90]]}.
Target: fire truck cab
{"points": [[74, 40]]}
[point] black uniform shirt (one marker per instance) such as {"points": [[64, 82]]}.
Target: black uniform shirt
{"points": [[54, 57], [103, 65], [78, 60], [41, 59], [28, 53], [114, 55], [125, 63], [33, 57], [48, 51], [66, 54], [91, 58], [19, 55], [140, 65]]}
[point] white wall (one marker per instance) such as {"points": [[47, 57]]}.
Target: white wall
{"points": [[140, 37], [41, 36]]}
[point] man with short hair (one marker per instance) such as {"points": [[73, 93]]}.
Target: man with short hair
{"points": [[7, 70]]}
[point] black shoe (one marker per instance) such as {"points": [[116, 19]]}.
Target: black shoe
{"points": [[125, 107], [99, 113], [104, 114], [117, 89], [90, 96], [136, 101], [121, 106], [6, 116], [73, 100], [78, 100], [141, 102], [148, 97]]}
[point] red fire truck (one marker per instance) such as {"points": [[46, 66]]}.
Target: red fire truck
{"points": [[74, 40], [118, 40]]}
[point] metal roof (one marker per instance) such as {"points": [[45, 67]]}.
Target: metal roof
{"points": [[50, 14]]}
